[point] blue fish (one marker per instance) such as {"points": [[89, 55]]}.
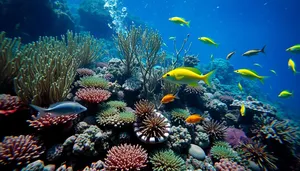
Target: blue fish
{"points": [[60, 108]]}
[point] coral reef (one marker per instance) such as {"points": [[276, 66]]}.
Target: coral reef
{"points": [[10, 104], [179, 138], [126, 157], [235, 137], [167, 160], [144, 108], [48, 121], [179, 115], [194, 164], [19, 150], [201, 138], [93, 95], [85, 72], [190, 61], [214, 129], [92, 81], [219, 152], [226, 165], [253, 106]]}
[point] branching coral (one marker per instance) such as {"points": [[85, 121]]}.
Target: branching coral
{"points": [[10, 104], [167, 160], [19, 150], [95, 82], [144, 108], [48, 121], [93, 95], [214, 129], [256, 152], [126, 157]]}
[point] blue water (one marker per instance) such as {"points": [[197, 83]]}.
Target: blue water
{"points": [[238, 25]]}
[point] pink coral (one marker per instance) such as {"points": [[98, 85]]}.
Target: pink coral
{"points": [[18, 150], [48, 120], [226, 165], [126, 157], [85, 72], [10, 104], [235, 137], [93, 95]]}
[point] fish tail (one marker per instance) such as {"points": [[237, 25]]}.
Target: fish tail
{"points": [[262, 79], [40, 110], [217, 44], [208, 76], [188, 24], [263, 50]]}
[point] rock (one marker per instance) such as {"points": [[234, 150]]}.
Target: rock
{"points": [[197, 152]]}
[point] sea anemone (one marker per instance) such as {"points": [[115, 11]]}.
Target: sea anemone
{"points": [[85, 72], [95, 82], [152, 129], [120, 105], [126, 157], [144, 108], [10, 104], [19, 150], [93, 95], [48, 121], [167, 160], [256, 152], [179, 114], [219, 152], [127, 117], [214, 129]]}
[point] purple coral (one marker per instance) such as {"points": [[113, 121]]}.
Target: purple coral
{"points": [[235, 137]]}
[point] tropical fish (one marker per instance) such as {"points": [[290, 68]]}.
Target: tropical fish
{"points": [[212, 57], [294, 49], [168, 98], [179, 20], [285, 94], [250, 74], [273, 71], [172, 38], [243, 110], [257, 64], [230, 55], [187, 75], [208, 40], [195, 118], [60, 108], [254, 52], [292, 66], [164, 44], [240, 86]]}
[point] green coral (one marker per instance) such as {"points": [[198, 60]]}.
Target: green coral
{"points": [[167, 160], [120, 105], [222, 144], [179, 114], [109, 111], [221, 152], [127, 117], [96, 82]]}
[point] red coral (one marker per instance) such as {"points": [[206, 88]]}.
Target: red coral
{"points": [[85, 72], [18, 150], [226, 165], [126, 157], [93, 95], [10, 104], [48, 120]]}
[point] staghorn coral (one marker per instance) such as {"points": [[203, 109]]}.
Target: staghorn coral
{"points": [[179, 115], [226, 165], [167, 160], [48, 121], [19, 150], [235, 137], [94, 82], [144, 108], [85, 72], [126, 157], [214, 129], [256, 152], [10, 104], [93, 95], [152, 129], [120, 105]]}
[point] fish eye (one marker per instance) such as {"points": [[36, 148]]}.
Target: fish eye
{"points": [[168, 75]]}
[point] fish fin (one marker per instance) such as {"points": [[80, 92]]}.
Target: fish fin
{"points": [[262, 79], [176, 95], [195, 70], [188, 24], [217, 44], [208, 76], [41, 111], [179, 77], [194, 84], [263, 50]]}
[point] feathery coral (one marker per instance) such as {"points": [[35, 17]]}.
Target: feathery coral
{"points": [[126, 157], [214, 129], [167, 160], [144, 108], [10, 104], [19, 150], [48, 121], [96, 82], [93, 95]]}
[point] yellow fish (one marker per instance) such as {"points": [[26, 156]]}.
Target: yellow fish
{"points": [[294, 49], [292, 66], [285, 94], [179, 20], [207, 40], [240, 86], [273, 71], [243, 110], [187, 75], [250, 74], [257, 64], [230, 55], [254, 52]]}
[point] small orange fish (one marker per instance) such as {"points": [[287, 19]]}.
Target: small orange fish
{"points": [[168, 98], [195, 118]]}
